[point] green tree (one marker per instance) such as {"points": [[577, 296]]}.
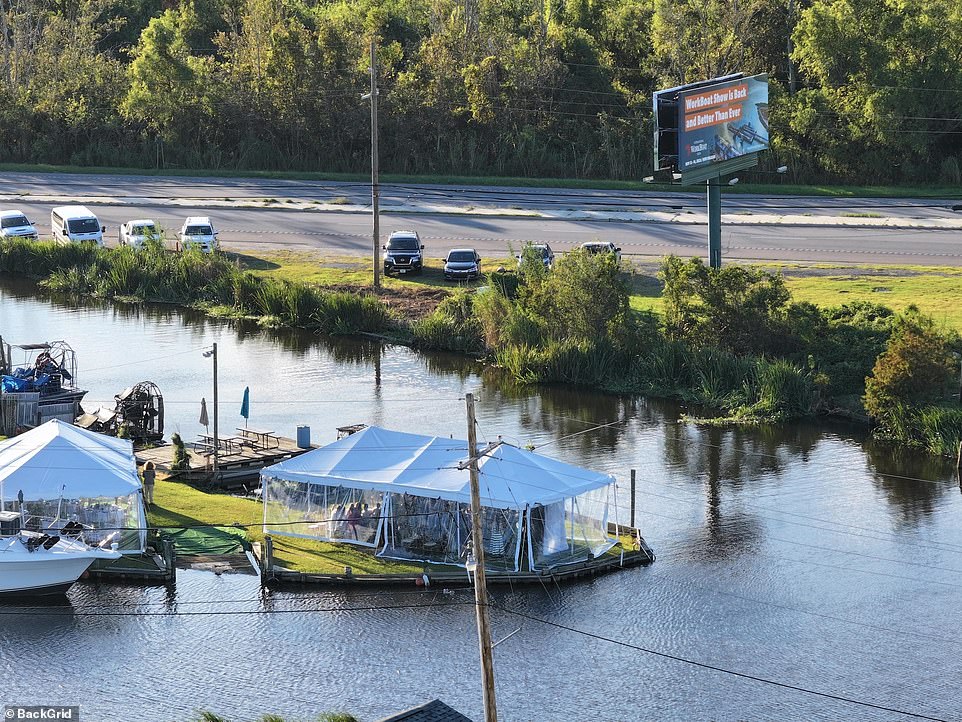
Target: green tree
{"points": [[885, 77], [583, 298], [912, 371], [171, 89], [701, 39], [741, 309]]}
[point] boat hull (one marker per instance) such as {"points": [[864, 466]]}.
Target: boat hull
{"points": [[44, 571]]}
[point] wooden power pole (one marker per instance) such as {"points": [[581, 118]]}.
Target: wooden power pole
{"points": [[480, 584], [375, 190]]}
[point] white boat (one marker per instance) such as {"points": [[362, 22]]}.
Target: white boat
{"points": [[33, 563]]}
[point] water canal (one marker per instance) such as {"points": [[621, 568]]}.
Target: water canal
{"points": [[802, 555]]}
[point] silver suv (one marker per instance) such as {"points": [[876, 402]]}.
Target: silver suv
{"points": [[403, 253]]}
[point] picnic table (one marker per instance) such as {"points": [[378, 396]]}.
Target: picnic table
{"points": [[230, 444], [263, 439]]}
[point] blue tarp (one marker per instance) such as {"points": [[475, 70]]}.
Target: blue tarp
{"points": [[12, 385], [22, 380]]}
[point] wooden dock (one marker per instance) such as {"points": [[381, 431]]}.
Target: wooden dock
{"points": [[237, 469], [149, 567], [274, 575]]}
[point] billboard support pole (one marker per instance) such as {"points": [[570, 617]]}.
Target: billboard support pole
{"points": [[714, 222]]}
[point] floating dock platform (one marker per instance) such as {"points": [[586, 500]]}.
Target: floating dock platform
{"points": [[274, 575], [237, 468]]}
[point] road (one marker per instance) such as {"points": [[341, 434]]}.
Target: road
{"points": [[349, 233]]}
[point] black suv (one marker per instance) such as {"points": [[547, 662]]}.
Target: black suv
{"points": [[403, 253]]}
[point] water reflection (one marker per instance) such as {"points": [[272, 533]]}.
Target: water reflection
{"points": [[717, 504], [593, 421], [912, 482]]}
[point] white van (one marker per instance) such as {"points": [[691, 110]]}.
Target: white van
{"points": [[76, 224]]}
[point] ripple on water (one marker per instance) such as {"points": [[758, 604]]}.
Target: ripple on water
{"points": [[799, 554]]}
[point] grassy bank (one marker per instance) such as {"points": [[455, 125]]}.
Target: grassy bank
{"points": [[213, 282], [744, 344], [934, 290], [778, 188]]}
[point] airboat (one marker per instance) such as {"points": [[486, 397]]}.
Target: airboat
{"points": [[42, 378]]}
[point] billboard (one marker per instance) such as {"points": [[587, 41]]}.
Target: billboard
{"points": [[722, 122], [707, 123]]}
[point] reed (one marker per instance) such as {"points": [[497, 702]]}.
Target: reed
{"points": [[452, 326], [783, 389], [940, 429], [342, 312], [521, 362], [191, 278]]}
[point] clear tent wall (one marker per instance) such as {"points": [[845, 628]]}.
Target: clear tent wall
{"points": [[423, 528], [106, 519]]}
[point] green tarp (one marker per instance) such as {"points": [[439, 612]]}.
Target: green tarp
{"points": [[208, 540]]}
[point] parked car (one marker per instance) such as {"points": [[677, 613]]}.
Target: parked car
{"points": [[462, 264], [198, 232], [14, 224], [403, 253], [547, 255], [602, 247], [136, 233], [76, 224]]}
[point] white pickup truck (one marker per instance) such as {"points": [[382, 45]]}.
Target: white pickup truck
{"points": [[136, 233]]}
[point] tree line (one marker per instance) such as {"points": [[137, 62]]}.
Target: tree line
{"points": [[860, 89]]}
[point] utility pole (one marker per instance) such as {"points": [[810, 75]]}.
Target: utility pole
{"points": [[480, 585], [375, 190]]}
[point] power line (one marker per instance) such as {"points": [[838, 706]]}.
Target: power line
{"points": [[716, 668]]}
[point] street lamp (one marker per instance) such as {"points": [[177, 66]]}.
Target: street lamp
{"points": [[212, 354]]}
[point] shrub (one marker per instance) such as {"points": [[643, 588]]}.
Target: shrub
{"points": [[913, 369], [180, 462], [451, 327], [740, 309], [584, 297]]}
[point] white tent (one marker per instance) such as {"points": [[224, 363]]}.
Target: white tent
{"points": [[408, 496], [65, 473]]}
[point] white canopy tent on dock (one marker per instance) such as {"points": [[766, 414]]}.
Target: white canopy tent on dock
{"points": [[64, 473], [408, 497]]}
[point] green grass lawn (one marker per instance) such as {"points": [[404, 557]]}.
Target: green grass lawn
{"points": [[327, 270], [936, 290], [179, 505]]}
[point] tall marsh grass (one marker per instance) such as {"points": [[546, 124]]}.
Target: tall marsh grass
{"points": [[940, 429], [190, 278]]}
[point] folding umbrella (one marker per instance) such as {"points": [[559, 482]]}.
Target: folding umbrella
{"points": [[246, 405]]}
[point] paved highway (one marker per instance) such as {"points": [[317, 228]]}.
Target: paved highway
{"points": [[349, 233]]}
